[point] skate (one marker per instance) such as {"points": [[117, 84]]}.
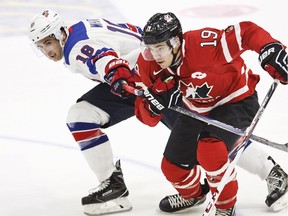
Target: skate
{"points": [[225, 212], [110, 196], [277, 183], [176, 202]]}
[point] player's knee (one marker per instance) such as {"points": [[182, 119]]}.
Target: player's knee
{"points": [[172, 172], [86, 112], [212, 153]]}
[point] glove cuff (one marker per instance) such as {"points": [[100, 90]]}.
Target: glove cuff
{"points": [[115, 63]]}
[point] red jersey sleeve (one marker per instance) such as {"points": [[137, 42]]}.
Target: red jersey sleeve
{"points": [[243, 36], [254, 37], [143, 80], [211, 46]]}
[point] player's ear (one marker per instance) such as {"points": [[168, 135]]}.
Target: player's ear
{"points": [[64, 36], [178, 43]]}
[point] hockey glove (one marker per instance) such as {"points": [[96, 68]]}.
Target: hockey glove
{"points": [[163, 94], [274, 59], [118, 74]]}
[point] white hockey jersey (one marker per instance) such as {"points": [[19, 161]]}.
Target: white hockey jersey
{"points": [[92, 43]]}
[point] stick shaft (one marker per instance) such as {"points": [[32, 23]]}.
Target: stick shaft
{"points": [[240, 146], [237, 131]]}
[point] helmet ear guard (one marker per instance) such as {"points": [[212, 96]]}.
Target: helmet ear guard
{"points": [[174, 42]]}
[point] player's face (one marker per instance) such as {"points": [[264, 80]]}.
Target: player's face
{"points": [[161, 53], [51, 48]]}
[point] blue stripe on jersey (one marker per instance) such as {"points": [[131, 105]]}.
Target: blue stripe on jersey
{"points": [[77, 32], [134, 28], [136, 32], [84, 145], [100, 53]]}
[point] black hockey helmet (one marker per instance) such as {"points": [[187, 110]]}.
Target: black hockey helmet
{"points": [[161, 27]]}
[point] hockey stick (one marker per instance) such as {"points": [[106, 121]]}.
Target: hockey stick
{"points": [[240, 146], [237, 131]]}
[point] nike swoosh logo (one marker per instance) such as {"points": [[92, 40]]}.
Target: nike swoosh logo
{"points": [[161, 90], [157, 72]]}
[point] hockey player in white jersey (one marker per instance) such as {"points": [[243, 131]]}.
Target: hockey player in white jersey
{"points": [[103, 51], [94, 47]]}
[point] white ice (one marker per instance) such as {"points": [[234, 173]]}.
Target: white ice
{"points": [[42, 170]]}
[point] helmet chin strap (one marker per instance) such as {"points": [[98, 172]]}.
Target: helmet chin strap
{"points": [[175, 62]]}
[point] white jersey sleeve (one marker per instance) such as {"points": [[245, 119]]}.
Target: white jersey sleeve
{"points": [[93, 43]]}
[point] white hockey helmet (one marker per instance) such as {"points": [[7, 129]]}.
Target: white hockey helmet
{"points": [[45, 24]]}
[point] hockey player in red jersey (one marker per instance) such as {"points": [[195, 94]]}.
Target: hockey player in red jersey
{"points": [[204, 66]]}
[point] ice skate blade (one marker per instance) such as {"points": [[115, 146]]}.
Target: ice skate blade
{"points": [[281, 203], [116, 205]]}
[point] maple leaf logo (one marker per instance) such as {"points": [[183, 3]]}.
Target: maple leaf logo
{"points": [[203, 91], [198, 91]]}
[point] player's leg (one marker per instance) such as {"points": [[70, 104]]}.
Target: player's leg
{"points": [[212, 154], [254, 159], [180, 167], [214, 146], [98, 109]]}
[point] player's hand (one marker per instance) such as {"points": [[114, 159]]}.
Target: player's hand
{"points": [[118, 74], [163, 94], [274, 59]]}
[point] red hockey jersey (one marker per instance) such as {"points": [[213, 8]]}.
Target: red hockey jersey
{"points": [[211, 73]]}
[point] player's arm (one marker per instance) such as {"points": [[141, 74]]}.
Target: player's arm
{"points": [[248, 36], [272, 55], [141, 113], [163, 94], [104, 64]]}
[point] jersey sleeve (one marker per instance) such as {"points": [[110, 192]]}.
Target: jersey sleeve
{"points": [[254, 36], [93, 66], [217, 47], [143, 81], [93, 43], [243, 36]]}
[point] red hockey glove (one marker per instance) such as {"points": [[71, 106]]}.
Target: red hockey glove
{"points": [[163, 94], [118, 73], [274, 59]]}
